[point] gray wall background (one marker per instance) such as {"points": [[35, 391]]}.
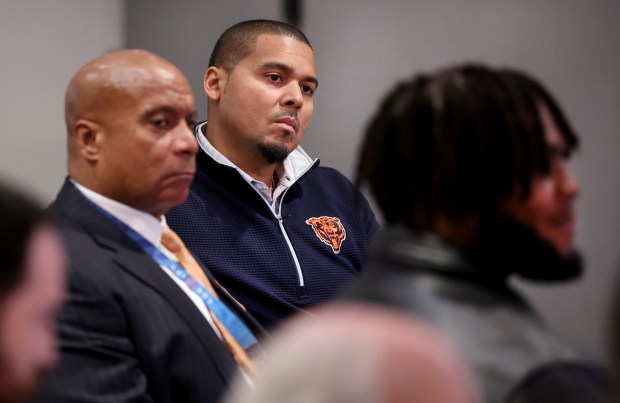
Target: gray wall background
{"points": [[42, 44], [362, 47]]}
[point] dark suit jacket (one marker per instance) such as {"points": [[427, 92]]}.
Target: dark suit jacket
{"points": [[128, 333]]}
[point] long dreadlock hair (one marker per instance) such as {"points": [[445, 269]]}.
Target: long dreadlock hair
{"points": [[456, 142]]}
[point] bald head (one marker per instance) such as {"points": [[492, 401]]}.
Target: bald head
{"points": [[361, 354], [130, 117], [103, 81]]}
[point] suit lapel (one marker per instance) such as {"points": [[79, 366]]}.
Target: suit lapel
{"points": [[74, 207], [143, 268]]}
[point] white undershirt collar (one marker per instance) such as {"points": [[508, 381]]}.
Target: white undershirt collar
{"points": [[143, 223]]}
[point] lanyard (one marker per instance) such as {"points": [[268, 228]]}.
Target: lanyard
{"points": [[228, 318]]}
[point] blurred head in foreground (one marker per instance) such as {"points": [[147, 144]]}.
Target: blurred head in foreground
{"points": [[358, 354], [32, 286]]}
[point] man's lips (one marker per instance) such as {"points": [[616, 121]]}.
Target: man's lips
{"points": [[563, 219], [189, 174], [289, 122]]}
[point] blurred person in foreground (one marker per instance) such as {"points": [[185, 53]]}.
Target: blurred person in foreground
{"points": [[469, 167], [32, 289], [357, 353]]}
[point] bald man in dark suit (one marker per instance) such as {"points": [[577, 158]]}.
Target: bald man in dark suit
{"points": [[132, 329]]}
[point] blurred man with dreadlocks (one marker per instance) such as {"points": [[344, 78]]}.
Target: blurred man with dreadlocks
{"points": [[487, 194]]}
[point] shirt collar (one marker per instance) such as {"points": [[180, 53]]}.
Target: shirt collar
{"points": [[143, 223], [285, 170]]}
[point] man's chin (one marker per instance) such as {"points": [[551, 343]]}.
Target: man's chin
{"points": [[273, 153], [559, 268], [511, 248]]}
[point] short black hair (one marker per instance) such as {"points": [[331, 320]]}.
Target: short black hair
{"points": [[456, 142], [19, 215], [238, 41]]}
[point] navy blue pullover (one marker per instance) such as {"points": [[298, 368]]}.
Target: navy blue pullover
{"points": [[227, 225]]}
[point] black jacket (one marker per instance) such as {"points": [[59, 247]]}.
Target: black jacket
{"points": [[501, 337], [275, 265]]}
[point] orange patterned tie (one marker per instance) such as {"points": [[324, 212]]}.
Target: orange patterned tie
{"points": [[174, 244]]}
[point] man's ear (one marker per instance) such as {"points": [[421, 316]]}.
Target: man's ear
{"points": [[214, 82], [88, 139]]}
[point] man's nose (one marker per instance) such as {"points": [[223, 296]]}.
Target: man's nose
{"points": [[569, 183], [186, 141], [293, 96]]}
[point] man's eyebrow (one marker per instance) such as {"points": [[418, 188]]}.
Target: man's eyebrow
{"points": [[288, 69], [168, 110], [159, 109]]}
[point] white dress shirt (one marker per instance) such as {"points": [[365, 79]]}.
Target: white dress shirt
{"points": [[150, 228]]}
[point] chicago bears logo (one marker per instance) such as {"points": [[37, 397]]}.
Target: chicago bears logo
{"points": [[329, 230]]}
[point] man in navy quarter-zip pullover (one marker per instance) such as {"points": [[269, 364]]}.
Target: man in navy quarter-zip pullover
{"points": [[279, 231]]}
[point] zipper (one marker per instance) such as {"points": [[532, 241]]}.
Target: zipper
{"points": [[280, 219], [290, 246]]}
